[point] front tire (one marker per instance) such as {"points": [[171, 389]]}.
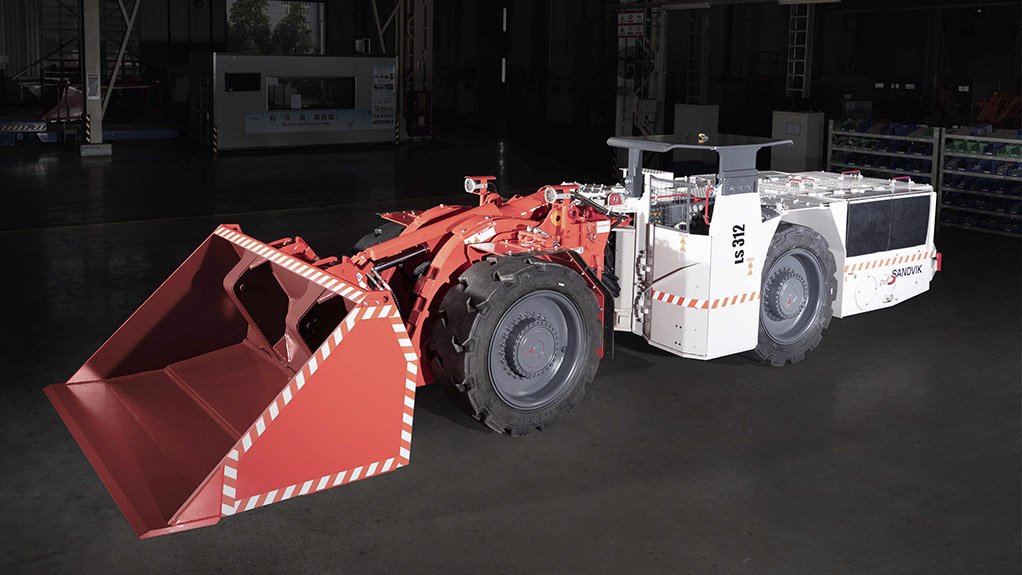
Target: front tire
{"points": [[797, 295], [516, 342]]}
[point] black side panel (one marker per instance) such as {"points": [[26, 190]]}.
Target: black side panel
{"points": [[869, 225], [883, 225], [910, 218]]}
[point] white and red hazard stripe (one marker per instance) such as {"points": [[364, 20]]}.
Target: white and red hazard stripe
{"points": [[320, 277], [696, 303], [229, 502], [889, 261]]}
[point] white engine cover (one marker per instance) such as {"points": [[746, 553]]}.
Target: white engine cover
{"points": [[698, 295]]}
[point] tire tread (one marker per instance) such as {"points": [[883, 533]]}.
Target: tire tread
{"points": [[455, 345]]}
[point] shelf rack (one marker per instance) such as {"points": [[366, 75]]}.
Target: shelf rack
{"points": [[881, 155], [980, 187]]}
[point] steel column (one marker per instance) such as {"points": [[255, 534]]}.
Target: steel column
{"points": [[129, 24], [92, 65], [415, 67]]}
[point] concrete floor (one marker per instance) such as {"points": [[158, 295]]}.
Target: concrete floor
{"points": [[895, 448]]}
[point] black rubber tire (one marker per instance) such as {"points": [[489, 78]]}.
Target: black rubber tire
{"points": [[461, 338], [30, 141], [787, 238], [383, 232]]}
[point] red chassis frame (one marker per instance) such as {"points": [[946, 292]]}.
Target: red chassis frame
{"points": [[546, 224]]}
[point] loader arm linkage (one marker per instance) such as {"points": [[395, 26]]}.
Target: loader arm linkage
{"points": [[448, 239]]}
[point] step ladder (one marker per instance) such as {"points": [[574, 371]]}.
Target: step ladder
{"points": [[800, 35]]}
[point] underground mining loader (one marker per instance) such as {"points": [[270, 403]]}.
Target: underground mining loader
{"points": [[260, 371]]}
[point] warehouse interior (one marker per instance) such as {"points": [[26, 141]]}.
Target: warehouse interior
{"points": [[131, 129]]}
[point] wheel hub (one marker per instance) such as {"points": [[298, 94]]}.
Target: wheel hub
{"points": [[530, 346], [536, 349], [793, 293], [786, 294]]}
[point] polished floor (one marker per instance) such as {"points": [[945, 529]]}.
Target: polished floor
{"points": [[895, 448]]}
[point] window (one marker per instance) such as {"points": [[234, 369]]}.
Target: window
{"points": [[310, 93], [275, 27], [243, 82]]}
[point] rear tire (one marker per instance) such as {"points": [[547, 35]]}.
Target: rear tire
{"points": [[516, 342], [796, 297]]}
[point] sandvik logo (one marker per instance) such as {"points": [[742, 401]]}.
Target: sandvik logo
{"points": [[911, 270], [908, 271]]}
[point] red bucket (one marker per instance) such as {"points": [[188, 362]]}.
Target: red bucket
{"points": [[254, 374]]}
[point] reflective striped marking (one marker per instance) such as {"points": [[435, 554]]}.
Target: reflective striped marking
{"points": [[889, 261], [230, 503], [706, 304], [291, 263]]}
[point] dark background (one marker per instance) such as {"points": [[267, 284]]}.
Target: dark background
{"points": [[562, 57], [896, 447]]}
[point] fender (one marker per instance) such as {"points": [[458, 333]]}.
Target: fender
{"points": [[823, 221]]}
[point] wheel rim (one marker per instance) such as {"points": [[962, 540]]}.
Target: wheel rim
{"points": [[792, 295], [536, 349]]}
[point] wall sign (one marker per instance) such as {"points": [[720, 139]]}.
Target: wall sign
{"points": [[384, 101], [92, 86], [631, 23], [326, 120]]}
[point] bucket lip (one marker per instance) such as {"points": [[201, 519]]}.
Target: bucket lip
{"points": [[351, 289], [142, 529]]}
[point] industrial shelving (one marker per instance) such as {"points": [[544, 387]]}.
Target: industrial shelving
{"points": [[980, 186], [884, 150]]}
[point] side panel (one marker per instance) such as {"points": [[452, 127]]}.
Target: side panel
{"points": [[703, 301], [680, 284], [880, 280], [737, 264], [885, 278], [886, 225], [347, 415], [625, 255], [870, 280]]}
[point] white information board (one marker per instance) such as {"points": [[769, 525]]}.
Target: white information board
{"points": [[326, 120]]}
